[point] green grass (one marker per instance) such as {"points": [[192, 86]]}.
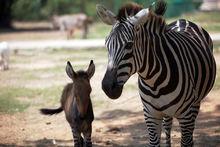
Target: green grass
{"points": [[96, 30], [9, 101], [217, 81], [18, 99], [208, 20], [35, 87], [217, 48], [12, 105], [30, 83]]}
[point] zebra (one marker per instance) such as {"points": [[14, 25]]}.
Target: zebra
{"points": [[174, 62]]}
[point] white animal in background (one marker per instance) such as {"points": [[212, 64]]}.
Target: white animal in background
{"points": [[4, 56], [70, 23]]}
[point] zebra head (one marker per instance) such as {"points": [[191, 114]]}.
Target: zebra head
{"points": [[121, 47]]}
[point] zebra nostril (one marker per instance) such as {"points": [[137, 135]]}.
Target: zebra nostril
{"points": [[114, 85]]}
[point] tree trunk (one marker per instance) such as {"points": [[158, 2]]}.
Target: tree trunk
{"points": [[82, 6], [5, 13]]}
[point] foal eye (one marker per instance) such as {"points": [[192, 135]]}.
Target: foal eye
{"points": [[129, 45]]}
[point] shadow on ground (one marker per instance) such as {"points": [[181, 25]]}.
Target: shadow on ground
{"points": [[133, 133], [127, 129]]}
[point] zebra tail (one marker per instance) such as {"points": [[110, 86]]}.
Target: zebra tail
{"points": [[46, 111]]}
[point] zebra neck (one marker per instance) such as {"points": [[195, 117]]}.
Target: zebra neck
{"points": [[155, 25], [153, 57], [154, 61]]}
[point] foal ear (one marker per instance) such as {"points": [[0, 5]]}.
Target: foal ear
{"points": [[69, 71], [91, 69], [105, 15]]}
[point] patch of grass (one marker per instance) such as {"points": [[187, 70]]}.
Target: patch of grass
{"points": [[96, 30], [204, 17], [11, 105], [15, 92], [217, 80], [217, 48], [9, 102], [210, 21], [76, 52], [28, 83], [99, 30], [18, 99], [50, 96]]}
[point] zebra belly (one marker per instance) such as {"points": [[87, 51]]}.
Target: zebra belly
{"points": [[170, 104]]}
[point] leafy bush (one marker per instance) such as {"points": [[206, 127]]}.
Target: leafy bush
{"points": [[44, 9]]}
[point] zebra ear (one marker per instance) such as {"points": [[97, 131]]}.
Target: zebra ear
{"points": [[140, 17], [105, 15]]}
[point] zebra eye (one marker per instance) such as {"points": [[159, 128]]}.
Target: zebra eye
{"points": [[129, 45]]}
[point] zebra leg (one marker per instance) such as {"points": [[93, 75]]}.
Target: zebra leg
{"points": [[78, 140], [87, 136], [167, 125], [187, 125], [154, 130]]}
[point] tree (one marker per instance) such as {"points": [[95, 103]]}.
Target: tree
{"points": [[5, 13]]}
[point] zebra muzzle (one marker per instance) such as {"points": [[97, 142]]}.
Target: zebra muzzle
{"points": [[110, 85]]}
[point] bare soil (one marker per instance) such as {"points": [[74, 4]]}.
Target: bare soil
{"points": [[120, 124], [117, 123]]}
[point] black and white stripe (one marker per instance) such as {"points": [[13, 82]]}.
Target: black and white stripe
{"points": [[176, 70]]}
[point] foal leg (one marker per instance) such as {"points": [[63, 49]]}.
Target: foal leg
{"points": [[78, 140], [187, 125], [167, 125], [87, 136]]}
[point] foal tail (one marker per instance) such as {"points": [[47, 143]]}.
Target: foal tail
{"points": [[46, 111]]}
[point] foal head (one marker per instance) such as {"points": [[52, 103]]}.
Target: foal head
{"points": [[81, 86]]}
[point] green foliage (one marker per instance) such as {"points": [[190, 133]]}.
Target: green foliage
{"points": [[27, 10], [44, 9], [61, 7]]}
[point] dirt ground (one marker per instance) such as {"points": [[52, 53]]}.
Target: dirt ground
{"points": [[119, 123]]}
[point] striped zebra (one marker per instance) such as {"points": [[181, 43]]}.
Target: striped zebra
{"points": [[175, 65]]}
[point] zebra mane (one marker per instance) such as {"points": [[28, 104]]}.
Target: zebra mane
{"points": [[129, 9], [157, 9]]}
